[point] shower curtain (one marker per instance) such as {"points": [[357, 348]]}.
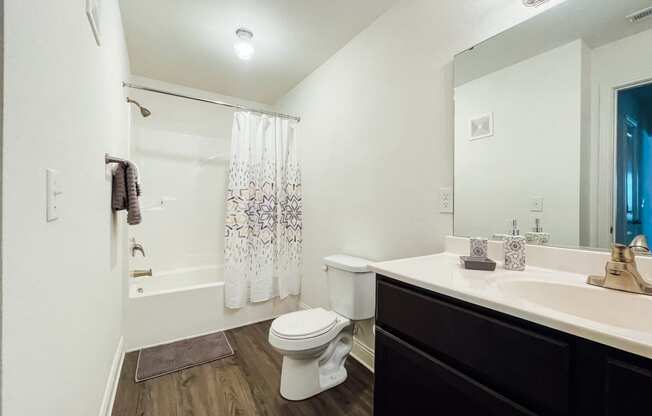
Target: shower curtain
{"points": [[263, 211]]}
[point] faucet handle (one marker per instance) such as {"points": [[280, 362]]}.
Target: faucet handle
{"points": [[622, 254], [639, 244]]}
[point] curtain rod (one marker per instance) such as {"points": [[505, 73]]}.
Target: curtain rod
{"points": [[203, 100]]}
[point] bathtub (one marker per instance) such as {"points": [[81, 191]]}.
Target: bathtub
{"points": [[182, 303], [176, 281]]}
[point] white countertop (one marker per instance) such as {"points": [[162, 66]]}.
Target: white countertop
{"points": [[552, 298]]}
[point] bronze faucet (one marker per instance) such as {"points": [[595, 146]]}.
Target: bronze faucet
{"points": [[621, 272]]}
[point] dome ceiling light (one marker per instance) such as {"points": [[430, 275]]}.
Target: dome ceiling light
{"points": [[243, 46]]}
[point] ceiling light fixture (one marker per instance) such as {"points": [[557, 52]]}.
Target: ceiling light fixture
{"points": [[534, 3], [243, 46]]}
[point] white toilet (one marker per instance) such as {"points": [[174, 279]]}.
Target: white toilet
{"points": [[316, 342]]}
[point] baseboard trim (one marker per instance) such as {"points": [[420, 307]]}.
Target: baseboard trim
{"points": [[363, 354], [360, 352], [112, 381]]}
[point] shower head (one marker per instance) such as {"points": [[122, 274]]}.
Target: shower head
{"points": [[143, 111]]}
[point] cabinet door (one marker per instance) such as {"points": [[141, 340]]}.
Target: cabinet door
{"points": [[628, 389], [409, 381], [524, 364]]}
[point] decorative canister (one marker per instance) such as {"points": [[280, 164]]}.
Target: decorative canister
{"points": [[514, 247], [478, 247]]}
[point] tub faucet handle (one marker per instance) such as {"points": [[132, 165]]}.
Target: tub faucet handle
{"points": [[136, 247]]}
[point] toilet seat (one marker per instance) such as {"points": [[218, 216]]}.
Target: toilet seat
{"points": [[304, 324], [306, 330]]}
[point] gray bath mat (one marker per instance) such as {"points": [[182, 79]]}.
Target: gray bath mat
{"points": [[165, 359]]}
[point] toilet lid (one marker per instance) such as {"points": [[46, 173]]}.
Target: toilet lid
{"points": [[304, 324]]}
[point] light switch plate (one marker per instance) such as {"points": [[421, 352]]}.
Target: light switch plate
{"points": [[446, 200], [536, 204], [53, 190]]}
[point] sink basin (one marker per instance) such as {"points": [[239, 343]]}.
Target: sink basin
{"points": [[605, 306]]}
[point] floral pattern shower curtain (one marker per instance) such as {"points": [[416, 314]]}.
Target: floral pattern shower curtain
{"points": [[264, 222]]}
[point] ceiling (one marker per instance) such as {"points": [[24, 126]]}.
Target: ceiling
{"points": [[190, 42], [597, 22]]}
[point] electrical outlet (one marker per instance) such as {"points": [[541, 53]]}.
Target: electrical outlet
{"points": [[536, 204], [446, 200]]}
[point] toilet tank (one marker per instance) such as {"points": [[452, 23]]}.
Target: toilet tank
{"points": [[351, 286]]}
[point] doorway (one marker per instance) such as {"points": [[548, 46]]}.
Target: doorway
{"points": [[633, 163]]}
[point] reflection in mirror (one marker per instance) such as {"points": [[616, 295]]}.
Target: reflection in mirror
{"points": [[633, 163], [553, 128]]}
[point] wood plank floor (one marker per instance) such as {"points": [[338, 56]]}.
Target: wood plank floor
{"points": [[245, 384]]}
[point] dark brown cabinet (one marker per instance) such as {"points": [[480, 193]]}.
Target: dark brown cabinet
{"points": [[440, 356], [421, 384]]}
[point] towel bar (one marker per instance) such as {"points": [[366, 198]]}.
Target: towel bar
{"points": [[112, 159]]}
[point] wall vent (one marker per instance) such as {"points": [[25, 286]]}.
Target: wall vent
{"points": [[640, 15], [481, 126]]}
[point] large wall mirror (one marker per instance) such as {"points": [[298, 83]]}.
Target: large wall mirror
{"points": [[553, 125]]}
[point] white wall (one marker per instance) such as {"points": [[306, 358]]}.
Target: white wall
{"points": [[377, 134], [534, 152], [64, 108]]}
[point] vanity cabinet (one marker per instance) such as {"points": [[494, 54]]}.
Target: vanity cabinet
{"points": [[437, 355]]}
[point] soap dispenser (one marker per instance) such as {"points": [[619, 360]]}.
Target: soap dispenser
{"points": [[514, 248], [503, 237], [515, 231], [537, 236]]}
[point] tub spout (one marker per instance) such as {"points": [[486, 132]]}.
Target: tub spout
{"points": [[141, 273]]}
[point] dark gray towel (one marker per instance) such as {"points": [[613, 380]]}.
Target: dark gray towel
{"points": [[133, 192], [125, 192], [119, 188]]}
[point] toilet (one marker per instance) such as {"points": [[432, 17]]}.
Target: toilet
{"points": [[316, 342]]}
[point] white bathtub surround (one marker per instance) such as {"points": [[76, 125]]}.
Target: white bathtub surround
{"points": [[183, 237], [263, 226], [184, 191], [552, 291]]}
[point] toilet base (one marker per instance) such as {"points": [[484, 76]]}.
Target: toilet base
{"points": [[303, 377]]}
